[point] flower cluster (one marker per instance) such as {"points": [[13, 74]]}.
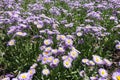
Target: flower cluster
{"points": [[102, 73], [60, 33]]}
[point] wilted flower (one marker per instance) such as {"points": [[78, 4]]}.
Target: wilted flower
{"points": [[82, 73]]}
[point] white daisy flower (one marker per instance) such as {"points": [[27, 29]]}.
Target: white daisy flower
{"points": [[45, 72]]}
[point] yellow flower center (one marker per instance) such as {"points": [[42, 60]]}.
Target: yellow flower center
{"points": [[48, 49], [74, 53], [50, 58], [97, 59], [19, 33], [63, 37], [46, 52], [46, 42], [67, 63], [46, 71], [69, 41], [119, 46], [45, 59], [31, 72], [85, 60], [24, 76], [118, 77], [103, 72], [69, 59], [55, 61], [11, 42]]}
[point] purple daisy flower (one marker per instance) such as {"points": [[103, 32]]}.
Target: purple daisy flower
{"points": [[11, 42], [31, 72], [24, 76], [47, 41], [21, 33], [67, 63], [98, 60], [50, 59], [55, 62], [117, 46], [44, 59], [103, 73], [69, 42], [73, 54], [116, 75]]}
